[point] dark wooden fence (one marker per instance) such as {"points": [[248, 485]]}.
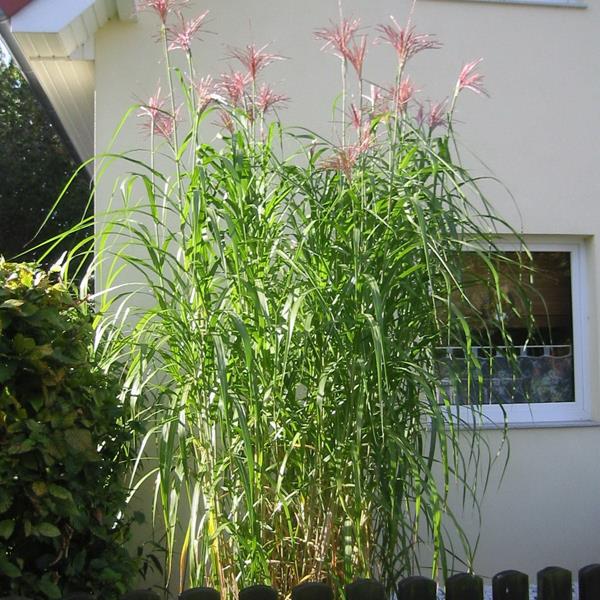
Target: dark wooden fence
{"points": [[553, 583]]}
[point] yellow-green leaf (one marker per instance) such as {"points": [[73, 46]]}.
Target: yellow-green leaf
{"points": [[39, 488], [79, 439], [13, 303]]}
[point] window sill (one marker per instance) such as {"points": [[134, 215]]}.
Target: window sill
{"points": [[540, 3], [539, 425]]}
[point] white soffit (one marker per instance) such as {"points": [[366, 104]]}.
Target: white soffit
{"points": [[51, 29], [57, 37], [73, 103]]}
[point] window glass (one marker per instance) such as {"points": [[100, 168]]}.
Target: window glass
{"points": [[539, 365]]}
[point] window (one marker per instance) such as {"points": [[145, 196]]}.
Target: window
{"points": [[558, 3], [548, 383]]}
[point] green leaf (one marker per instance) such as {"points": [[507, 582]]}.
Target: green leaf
{"points": [[5, 501], [49, 588], [42, 351], [48, 530], [13, 303], [9, 569], [78, 563], [6, 528], [79, 440], [7, 370], [28, 309], [22, 447], [59, 492], [23, 344]]}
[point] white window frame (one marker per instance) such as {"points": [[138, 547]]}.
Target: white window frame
{"points": [[552, 412], [548, 3]]}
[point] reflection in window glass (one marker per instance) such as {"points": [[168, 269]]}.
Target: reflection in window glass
{"points": [[539, 368]]}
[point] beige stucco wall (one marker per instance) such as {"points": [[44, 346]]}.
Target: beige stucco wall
{"points": [[539, 133]]}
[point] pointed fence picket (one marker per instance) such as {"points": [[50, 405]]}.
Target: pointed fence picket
{"points": [[553, 583]]}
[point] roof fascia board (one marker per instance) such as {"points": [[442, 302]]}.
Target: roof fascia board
{"points": [[48, 33], [12, 7], [47, 29], [42, 33], [48, 16], [30, 76]]}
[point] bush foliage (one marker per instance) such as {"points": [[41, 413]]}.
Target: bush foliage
{"points": [[61, 439]]}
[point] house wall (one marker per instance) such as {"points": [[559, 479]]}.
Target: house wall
{"points": [[539, 133]]}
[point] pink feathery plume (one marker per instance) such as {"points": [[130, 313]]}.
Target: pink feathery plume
{"points": [[405, 40], [338, 36], [159, 121], [226, 121], [345, 158], [267, 98], [355, 117], [434, 117], [233, 85], [378, 101], [254, 59], [469, 80], [343, 161], [180, 36], [355, 54], [162, 8], [206, 92], [402, 94], [341, 40]]}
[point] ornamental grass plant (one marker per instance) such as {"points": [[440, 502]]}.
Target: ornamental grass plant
{"points": [[279, 299]]}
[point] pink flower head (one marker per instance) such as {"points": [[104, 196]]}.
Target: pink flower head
{"points": [[405, 40], [378, 101], [345, 158], [161, 7], [356, 117], [435, 116], [469, 80], [338, 37], [355, 54], [362, 127], [267, 98], [402, 94], [254, 59], [205, 89], [180, 36], [158, 121], [226, 121], [233, 85]]}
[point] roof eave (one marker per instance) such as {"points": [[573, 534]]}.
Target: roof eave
{"points": [[53, 43], [35, 85]]}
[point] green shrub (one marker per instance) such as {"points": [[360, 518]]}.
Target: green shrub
{"points": [[62, 435]]}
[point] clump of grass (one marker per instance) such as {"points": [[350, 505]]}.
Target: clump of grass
{"points": [[280, 315]]}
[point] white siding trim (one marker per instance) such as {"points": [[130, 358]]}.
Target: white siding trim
{"points": [[540, 3]]}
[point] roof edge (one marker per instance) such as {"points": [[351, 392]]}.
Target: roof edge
{"points": [[36, 87], [12, 7]]}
